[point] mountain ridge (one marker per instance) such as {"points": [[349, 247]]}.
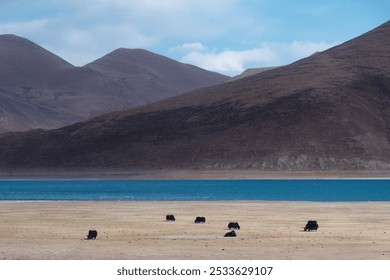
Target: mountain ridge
{"points": [[329, 111], [38, 89]]}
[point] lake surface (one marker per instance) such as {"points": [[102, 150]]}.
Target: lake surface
{"points": [[282, 190]]}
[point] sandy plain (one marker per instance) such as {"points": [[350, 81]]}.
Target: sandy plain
{"points": [[138, 230]]}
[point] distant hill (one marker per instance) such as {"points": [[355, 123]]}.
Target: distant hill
{"points": [[41, 90], [329, 111], [251, 71]]}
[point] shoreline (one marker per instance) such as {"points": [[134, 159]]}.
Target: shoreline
{"points": [[188, 174], [138, 230]]}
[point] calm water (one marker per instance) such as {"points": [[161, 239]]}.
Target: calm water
{"points": [[300, 190]]}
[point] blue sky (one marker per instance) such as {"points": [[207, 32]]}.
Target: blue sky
{"points": [[226, 36]]}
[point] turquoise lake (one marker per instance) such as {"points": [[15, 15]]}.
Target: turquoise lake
{"points": [[276, 190]]}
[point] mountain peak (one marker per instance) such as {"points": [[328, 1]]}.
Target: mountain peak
{"points": [[41, 90], [131, 57], [129, 64], [26, 62], [126, 51], [12, 38], [12, 42]]}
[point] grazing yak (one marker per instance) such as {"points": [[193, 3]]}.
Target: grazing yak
{"points": [[170, 218], [233, 225], [230, 234], [311, 225], [200, 220], [92, 234]]}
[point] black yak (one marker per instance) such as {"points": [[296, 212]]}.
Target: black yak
{"points": [[170, 218], [92, 234], [199, 220], [233, 225], [230, 234], [311, 225]]}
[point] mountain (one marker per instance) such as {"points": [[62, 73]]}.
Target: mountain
{"points": [[25, 63], [329, 111], [41, 90], [24, 68], [157, 76]]}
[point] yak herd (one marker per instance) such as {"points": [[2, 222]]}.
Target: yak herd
{"points": [[310, 226], [202, 220]]}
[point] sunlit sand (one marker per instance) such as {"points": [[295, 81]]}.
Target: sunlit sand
{"points": [[138, 230]]}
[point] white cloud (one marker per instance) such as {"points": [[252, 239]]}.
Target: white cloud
{"points": [[231, 62], [26, 27], [189, 47]]}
